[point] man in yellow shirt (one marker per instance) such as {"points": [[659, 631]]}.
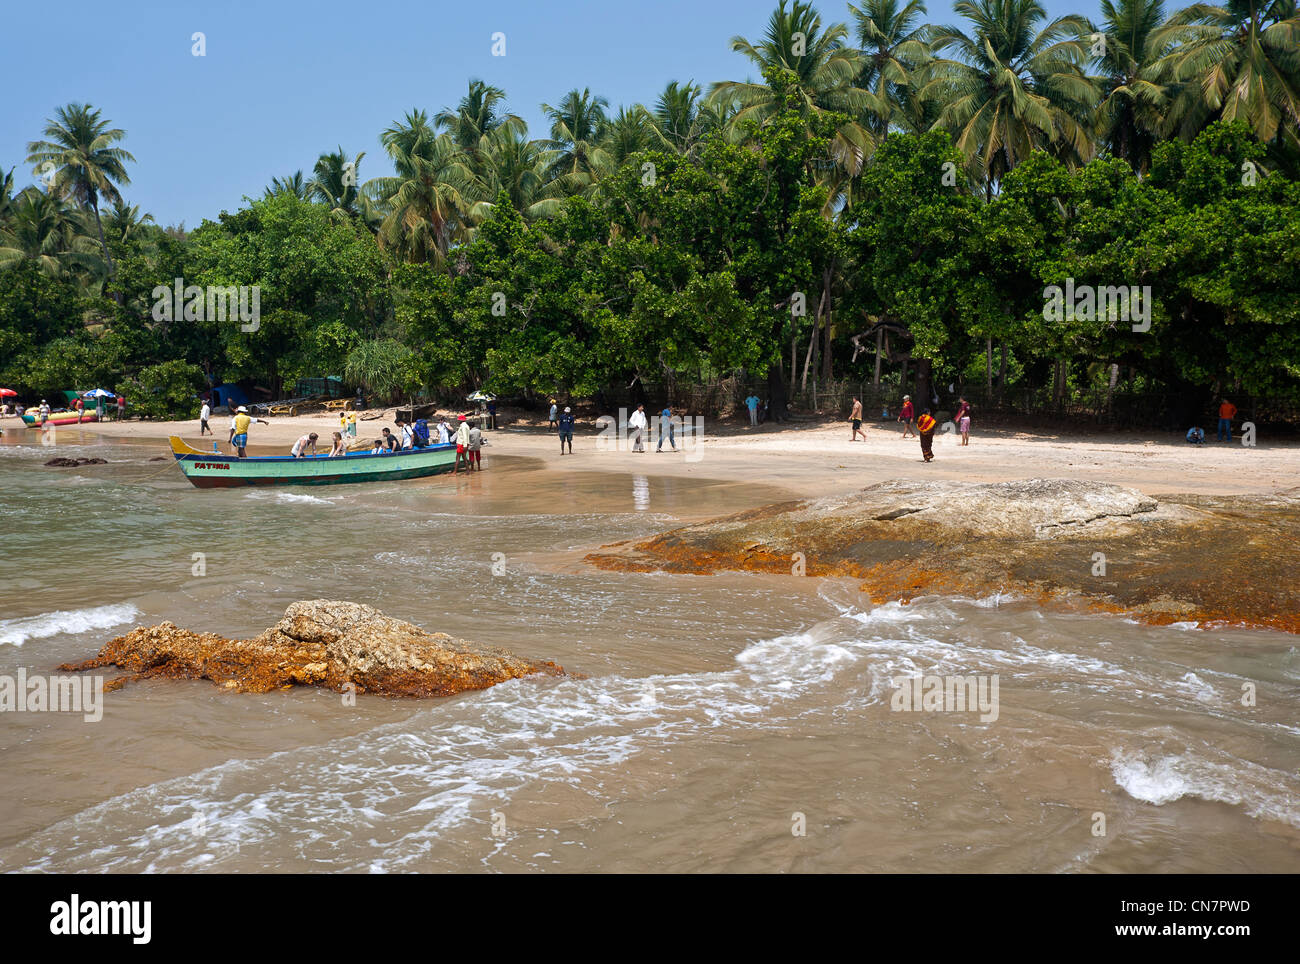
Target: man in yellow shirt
{"points": [[239, 425], [352, 422]]}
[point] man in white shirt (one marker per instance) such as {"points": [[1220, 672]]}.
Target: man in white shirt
{"points": [[462, 446], [637, 424], [304, 443], [204, 414], [444, 431]]}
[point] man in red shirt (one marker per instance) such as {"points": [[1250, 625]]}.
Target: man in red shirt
{"points": [[906, 415], [925, 425], [1227, 412]]}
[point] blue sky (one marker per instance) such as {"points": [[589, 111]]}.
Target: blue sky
{"points": [[282, 83]]}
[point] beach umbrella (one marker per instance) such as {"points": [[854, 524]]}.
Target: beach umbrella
{"points": [[7, 393], [99, 393]]}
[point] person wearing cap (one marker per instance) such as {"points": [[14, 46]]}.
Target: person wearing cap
{"points": [[462, 445], [906, 415], [44, 411], [239, 429], [305, 442], [566, 430]]}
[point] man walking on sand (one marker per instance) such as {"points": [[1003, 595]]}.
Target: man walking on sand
{"points": [[925, 425], [752, 404], [637, 423], [855, 417], [205, 413], [566, 430], [666, 426], [553, 421], [1227, 412]]}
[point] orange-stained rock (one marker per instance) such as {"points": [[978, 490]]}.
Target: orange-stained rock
{"points": [[319, 643], [1195, 558]]}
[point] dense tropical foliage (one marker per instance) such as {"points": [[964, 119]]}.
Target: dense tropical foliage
{"points": [[887, 199]]}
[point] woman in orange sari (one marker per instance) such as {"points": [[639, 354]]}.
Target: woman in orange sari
{"points": [[925, 426]]}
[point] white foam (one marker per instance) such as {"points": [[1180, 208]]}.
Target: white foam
{"points": [[65, 621], [1260, 791]]}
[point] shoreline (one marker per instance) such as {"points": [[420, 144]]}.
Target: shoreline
{"points": [[809, 459]]}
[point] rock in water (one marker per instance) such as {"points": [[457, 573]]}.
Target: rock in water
{"points": [[322, 643], [1206, 559]]}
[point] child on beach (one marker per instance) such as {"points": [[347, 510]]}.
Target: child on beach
{"points": [[963, 420]]}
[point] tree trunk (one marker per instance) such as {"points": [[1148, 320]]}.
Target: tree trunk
{"points": [[988, 367], [112, 268], [794, 355], [880, 335], [924, 390], [826, 300], [778, 409], [1002, 375], [808, 355]]}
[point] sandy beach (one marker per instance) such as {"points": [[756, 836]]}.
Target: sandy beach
{"points": [[816, 458]]}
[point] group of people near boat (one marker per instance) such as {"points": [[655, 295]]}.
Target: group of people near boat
{"points": [[408, 437], [916, 426]]}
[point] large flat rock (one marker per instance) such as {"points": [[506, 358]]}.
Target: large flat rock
{"points": [[1228, 560], [323, 643]]}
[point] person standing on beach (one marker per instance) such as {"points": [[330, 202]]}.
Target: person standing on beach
{"points": [[906, 415], [99, 408], [855, 417], [121, 407], [205, 413], [554, 422], [1227, 412], [638, 425], [462, 446], [566, 430], [474, 451], [492, 414], [925, 425], [963, 420], [44, 411], [444, 431], [752, 404], [666, 425], [239, 429]]}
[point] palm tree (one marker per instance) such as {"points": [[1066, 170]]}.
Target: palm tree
{"points": [[1011, 88], [293, 185], [476, 116], [124, 223], [334, 182], [6, 196], [430, 202], [1239, 61], [519, 166], [576, 124], [42, 228], [87, 164], [628, 132], [1132, 108], [894, 46], [826, 69]]}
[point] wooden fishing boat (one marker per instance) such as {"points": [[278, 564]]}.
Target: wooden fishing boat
{"points": [[212, 470], [33, 420]]}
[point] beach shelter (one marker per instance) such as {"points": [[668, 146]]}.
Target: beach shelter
{"points": [[7, 393], [99, 393]]}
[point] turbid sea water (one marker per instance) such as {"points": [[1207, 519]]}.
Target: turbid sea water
{"points": [[721, 723]]}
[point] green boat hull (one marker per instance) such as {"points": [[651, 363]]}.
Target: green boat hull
{"points": [[211, 470]]}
